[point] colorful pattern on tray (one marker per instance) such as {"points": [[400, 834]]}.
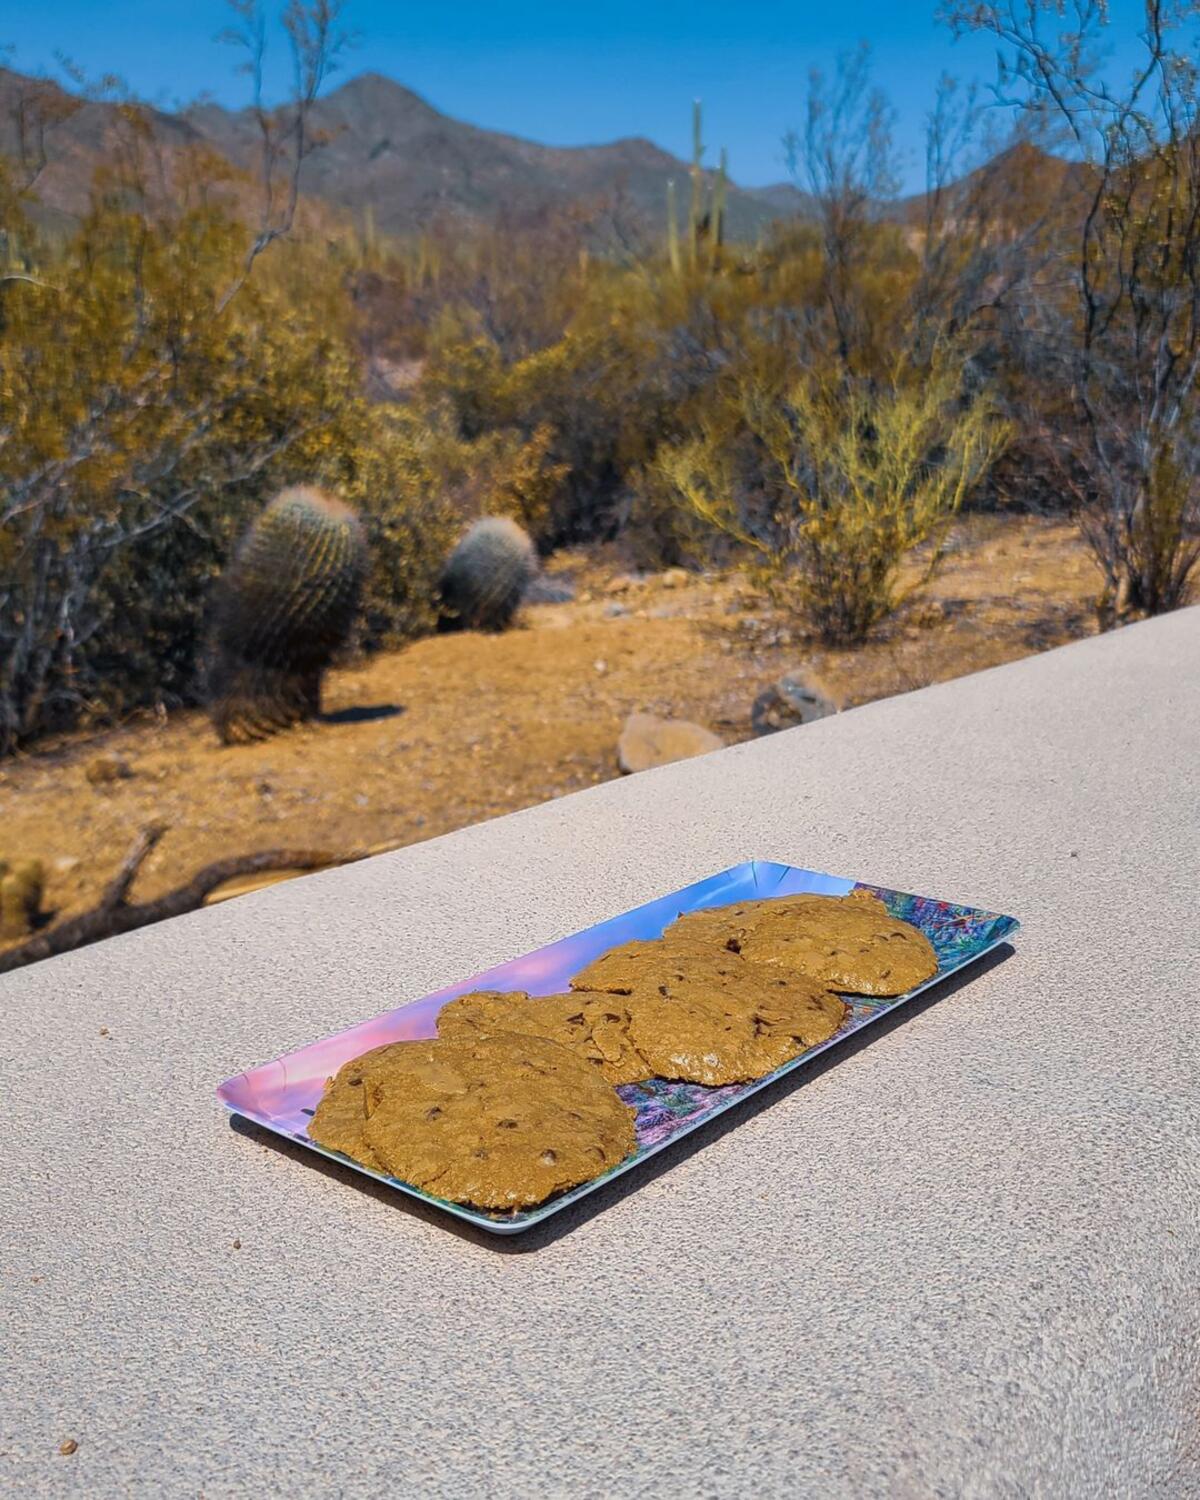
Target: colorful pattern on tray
{"points": [[283, 1094]]}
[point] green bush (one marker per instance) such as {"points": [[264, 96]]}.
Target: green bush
{"points": [[827, 486]]}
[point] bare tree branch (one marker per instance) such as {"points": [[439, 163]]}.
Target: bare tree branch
{"points": [[114, 914]]}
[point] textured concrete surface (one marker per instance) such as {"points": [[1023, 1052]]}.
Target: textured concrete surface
{"points": [[959, 1261]]}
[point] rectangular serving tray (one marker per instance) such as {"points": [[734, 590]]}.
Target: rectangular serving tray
{"points": [[282, 1095]]}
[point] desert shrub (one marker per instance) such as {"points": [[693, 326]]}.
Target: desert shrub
{"points": [[507, 473], [641, 349], [660, 532], [827, 485], [1151, 541], [395, 477], [463, 373]]}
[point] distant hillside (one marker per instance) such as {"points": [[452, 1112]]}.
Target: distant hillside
{"points": [[388, 149], [74, 136], [385, 149], [1022, 178]]}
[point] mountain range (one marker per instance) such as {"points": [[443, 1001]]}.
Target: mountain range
{"points": [[387, 155], [384, 150]]}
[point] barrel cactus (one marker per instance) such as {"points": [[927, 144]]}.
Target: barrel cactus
{"points": [[486, 576], [22, 883], [284, 606]]}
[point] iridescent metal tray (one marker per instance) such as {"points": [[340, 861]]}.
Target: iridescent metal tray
{"points": [[282, 1095]]}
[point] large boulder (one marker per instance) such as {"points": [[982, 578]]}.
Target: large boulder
{"points": [[647, 741]]}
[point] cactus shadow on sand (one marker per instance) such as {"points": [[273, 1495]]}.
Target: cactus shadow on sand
{"points": [[366, 713]]}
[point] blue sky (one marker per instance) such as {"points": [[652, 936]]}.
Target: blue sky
{"points": [[565, 74]]}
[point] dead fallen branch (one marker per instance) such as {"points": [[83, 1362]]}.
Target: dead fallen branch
{"points": [[114, 914]]}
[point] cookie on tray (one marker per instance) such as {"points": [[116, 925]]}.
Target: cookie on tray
{"points": [[851, 943], [702, 1040], [714, 926], [701, 1014], [500, 1122], [845, 943], [649, 965], [340, 1119], [806, 1015], [726, 925], [593, 1026], [731, 1024], [483, 1011], [867, 900]]}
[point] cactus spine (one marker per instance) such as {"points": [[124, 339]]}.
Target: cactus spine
{"points": [[284, 606], [486, 576]]}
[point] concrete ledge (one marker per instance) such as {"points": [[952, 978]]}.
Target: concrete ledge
{"points": [[960, 1260]]}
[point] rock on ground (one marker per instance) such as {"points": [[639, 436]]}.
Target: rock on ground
{"points": [[544, 590], [101, 770], [648, 741], [792, 700]]}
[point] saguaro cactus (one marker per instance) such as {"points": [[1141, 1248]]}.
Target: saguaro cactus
{"points": [[696, 206], [284, 606], [720, 189], [706, 207], [672, 229]]}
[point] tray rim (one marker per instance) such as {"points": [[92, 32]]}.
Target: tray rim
{"points": [[531, 1218]]}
